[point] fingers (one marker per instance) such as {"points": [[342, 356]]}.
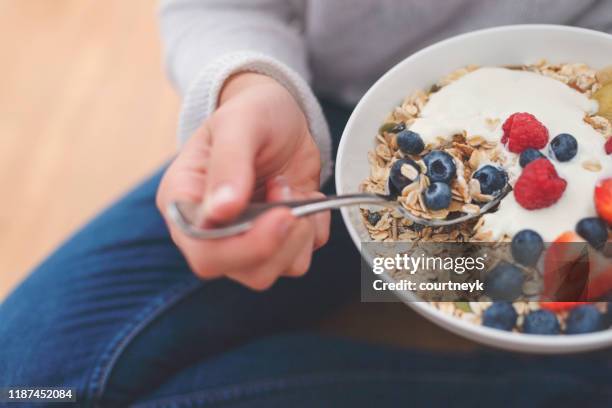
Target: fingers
{"points": [[302, 256], [318, 236], [315, 237], [279, 190], [212, 258], [277, 245], [293, 258], [297, 251], [261, 277], [231, 168], [322, 222], [185, 178]]}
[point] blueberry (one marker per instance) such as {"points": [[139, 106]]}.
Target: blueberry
{"points": [[585, 319], [504, 282], [594, 230], [440, 166], [528, 155], [564, 147], [541, 322], [417, 227], [410, 142], [492, 179], [403, 172], [527, 246], [500, 315], [373, 217], [437, 196]]}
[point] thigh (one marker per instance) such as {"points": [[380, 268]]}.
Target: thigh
{"points": [[68, 321], [116, 310], [305, 370]]}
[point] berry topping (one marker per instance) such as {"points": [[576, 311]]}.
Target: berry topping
{"points": [[528, 155], [500, 315], [527, 246], [437, 196], [504, 282], [600, 276], [585, 319], [541, 322], [563, 147], [373, 217], [440, 166], [608, 146], [492, 179], [568, 236], [594, 230], [560, 306], [566, 270], [523, 130], [403, 172], [410, 142], [603, 199], [539, 186]]}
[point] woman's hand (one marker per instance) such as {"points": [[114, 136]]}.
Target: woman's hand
{"points": [[255, 146]]}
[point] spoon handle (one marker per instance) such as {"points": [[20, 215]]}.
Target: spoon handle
{"points": [[307, 207], [184, 214]]}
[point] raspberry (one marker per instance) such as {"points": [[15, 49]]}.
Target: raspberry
{"points": [[522, 130], [608, 146], [539, 185]]}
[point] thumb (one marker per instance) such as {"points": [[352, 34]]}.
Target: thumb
{"points": [[231, 172]]}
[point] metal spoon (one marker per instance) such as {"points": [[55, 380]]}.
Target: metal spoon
{"points": [[184, 214]]}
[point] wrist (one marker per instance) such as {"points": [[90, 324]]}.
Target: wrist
{"points": [[241, 81]]}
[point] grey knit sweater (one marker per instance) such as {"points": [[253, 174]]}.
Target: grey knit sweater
{"points": [[336, 47]]}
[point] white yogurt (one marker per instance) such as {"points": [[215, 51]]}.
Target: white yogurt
{"points": [[496, 93]]}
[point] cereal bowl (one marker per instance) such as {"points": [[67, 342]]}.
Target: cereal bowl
{"points": [[502, 46]]}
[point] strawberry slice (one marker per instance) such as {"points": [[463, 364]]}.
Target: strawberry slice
{"points": [[600, 275], [574, 273], [560, 306], [566, 269], [603, 199]]}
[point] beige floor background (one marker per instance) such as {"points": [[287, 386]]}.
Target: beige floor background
{"points": [[86, 112]]}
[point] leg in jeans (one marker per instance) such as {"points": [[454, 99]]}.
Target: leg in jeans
{"points": [[116, 311], [306, 370], [117, 314]]}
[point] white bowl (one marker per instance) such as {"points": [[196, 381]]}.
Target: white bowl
{"points": [[517, 44]]}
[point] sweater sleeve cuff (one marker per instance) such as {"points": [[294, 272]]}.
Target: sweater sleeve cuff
{"points": [[201, 98]]}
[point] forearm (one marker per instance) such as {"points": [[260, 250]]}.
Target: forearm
{"points": [[208, 41]]}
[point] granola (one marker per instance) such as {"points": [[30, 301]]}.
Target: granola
{"points": [[469, 152]]}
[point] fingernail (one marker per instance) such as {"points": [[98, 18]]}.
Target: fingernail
{"points": [[285, 190], [220, 196]]}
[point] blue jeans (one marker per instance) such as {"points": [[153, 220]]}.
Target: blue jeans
{"points": [[116, 314]]}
